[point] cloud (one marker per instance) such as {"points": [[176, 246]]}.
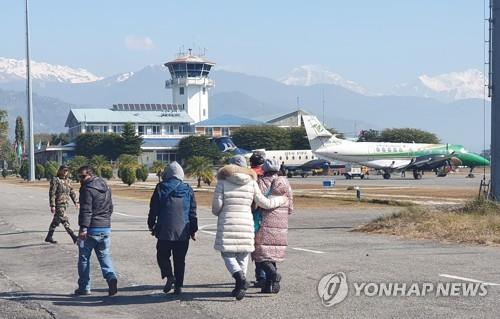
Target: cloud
{"points": [[133, 42]]}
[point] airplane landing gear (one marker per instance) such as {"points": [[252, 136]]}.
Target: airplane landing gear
{"points": [[417, 175], [387, 175], [471, 175]]}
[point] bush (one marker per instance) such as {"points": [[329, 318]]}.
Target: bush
{"points": [[107, 172], [142, 173], [24, 170], [50, 170], [127, 175], [39, 171], [5, 173], [75, 163]]}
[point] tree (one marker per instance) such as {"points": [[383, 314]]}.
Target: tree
{"points": [[61, 138], [19, 131], [157, 168], [98, 162], [50, 170], [201, 168], [4, 143], [107, 172], [336, 133], [131, 143], [75, 163], [408, 135], [90, 144], [24, 170], [128, 175], [126, 160], [267, 136], [197, 146], [39, 171], [298, 139], [369, 136], [5, 173], [142, 173]]}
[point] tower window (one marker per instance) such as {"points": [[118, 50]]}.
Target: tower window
{"points": [[181, 91], [204, 90], [204, 112]]}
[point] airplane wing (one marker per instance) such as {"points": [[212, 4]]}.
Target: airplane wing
{"points": [[429, 162]]}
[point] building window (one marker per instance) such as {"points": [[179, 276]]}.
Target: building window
{"points": [[225, 131], [141, 129], [204, 90], [209, 131], [165, 157], [181, 91], [117, 129]]}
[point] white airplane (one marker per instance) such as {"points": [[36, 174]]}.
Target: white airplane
{"points": [[388, 157]]}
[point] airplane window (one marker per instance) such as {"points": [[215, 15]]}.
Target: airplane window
{"points": [[306, 156], [281, 158], [293, 157], [299, 157], [378, 149], [286, 158]]}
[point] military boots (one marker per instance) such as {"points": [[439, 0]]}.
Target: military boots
{"points": [[49, 238]]}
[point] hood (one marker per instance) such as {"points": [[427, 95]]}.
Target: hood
{"points": [[168, 185], [174, 170], [98, 184], [236, 174]]}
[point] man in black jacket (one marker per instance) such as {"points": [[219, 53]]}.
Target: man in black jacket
{"points": [[94, 219], [172, 219]]}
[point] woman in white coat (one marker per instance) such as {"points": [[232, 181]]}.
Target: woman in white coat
{"points": [[236, 190]]}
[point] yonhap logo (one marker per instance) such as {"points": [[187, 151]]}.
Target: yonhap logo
{"points": [[333, 289]]}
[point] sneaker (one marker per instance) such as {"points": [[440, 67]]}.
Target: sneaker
{"points": [[259, 283], [112, 287], [276, 284], [168, 285], [79, 292]]}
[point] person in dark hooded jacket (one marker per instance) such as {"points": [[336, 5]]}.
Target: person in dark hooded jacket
{"points": [[94, 219], [172, 219]]}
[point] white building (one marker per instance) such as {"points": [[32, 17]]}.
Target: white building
{"points": [[190, 84], [162, 126]]}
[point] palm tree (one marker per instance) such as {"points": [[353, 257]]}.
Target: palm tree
{"points": [[200, 167], [98, 162], [158, 169]]}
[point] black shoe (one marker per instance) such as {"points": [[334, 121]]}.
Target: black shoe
{"points": [[79, 292], [112, 287], [259, 283], [73, 236], [267, 288], [177, 290], [49, 238], [276, 284], [241, 285], [168, 285]]}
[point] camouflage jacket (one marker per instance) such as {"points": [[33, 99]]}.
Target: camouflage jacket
{"points": [[60, 192]]}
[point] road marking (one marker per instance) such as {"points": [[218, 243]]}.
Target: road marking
{"points": [[122, 214], [309, 250], [469, 279]]}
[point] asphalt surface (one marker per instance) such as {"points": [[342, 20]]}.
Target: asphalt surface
{"points": [[37, 279]]}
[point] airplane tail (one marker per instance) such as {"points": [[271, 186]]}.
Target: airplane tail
{"points": [[317, 134]]}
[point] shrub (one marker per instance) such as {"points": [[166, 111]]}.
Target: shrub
{"points": [[24, 170], [127, 175], [107, 172], [5, 173], [39, 171], [142, 173], [50, 170]]}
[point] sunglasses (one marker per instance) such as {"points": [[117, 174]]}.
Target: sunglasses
{"points": [[81, 177]]}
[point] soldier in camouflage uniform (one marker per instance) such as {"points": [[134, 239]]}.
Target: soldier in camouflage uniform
{"points": [[59, 194]]}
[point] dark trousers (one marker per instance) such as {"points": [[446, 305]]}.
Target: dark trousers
{"points": [[178, 249], [261, 272]]}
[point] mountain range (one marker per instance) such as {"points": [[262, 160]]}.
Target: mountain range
{"points": [[449, 105]]}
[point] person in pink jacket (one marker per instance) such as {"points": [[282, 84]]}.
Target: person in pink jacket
{"points": [[271, 238]]}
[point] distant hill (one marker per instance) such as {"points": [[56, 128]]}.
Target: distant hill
{"points": [[346, 107]]}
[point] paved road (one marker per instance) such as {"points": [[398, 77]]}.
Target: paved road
{"points": [[36, 278]]}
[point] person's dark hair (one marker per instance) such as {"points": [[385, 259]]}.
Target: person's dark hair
{"points": [[86, 169], [256, 159]]}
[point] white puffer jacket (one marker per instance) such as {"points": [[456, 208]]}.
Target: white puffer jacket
{"points": [[236, 190]]}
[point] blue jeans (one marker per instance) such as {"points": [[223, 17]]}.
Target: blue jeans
{"points": [[100, 244]]}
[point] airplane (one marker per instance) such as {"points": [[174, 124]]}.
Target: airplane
{"points": [[388, 157], [292, 159]]}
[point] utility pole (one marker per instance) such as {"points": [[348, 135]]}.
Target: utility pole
{"points": [[495, 103], [31, 152]]}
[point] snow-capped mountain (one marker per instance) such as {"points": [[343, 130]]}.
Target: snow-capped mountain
{"points": [[307, 75], [453, 86], [14, 70]]}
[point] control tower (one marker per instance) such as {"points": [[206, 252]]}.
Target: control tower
{"points": [[190, 84]]}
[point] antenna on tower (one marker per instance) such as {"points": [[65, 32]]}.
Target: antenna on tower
{"points": [[298, 102], [190, 50]]}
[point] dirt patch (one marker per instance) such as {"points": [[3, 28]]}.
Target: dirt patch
{"points": [[476, 223]]}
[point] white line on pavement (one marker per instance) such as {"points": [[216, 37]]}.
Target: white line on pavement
{"points": [[469, 279], [122, 214], [309, 250]]}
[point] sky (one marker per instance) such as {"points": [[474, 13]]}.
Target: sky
{"points": [[375, 43]]}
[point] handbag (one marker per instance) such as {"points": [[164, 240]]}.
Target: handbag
{"points": [[257, 213]]}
